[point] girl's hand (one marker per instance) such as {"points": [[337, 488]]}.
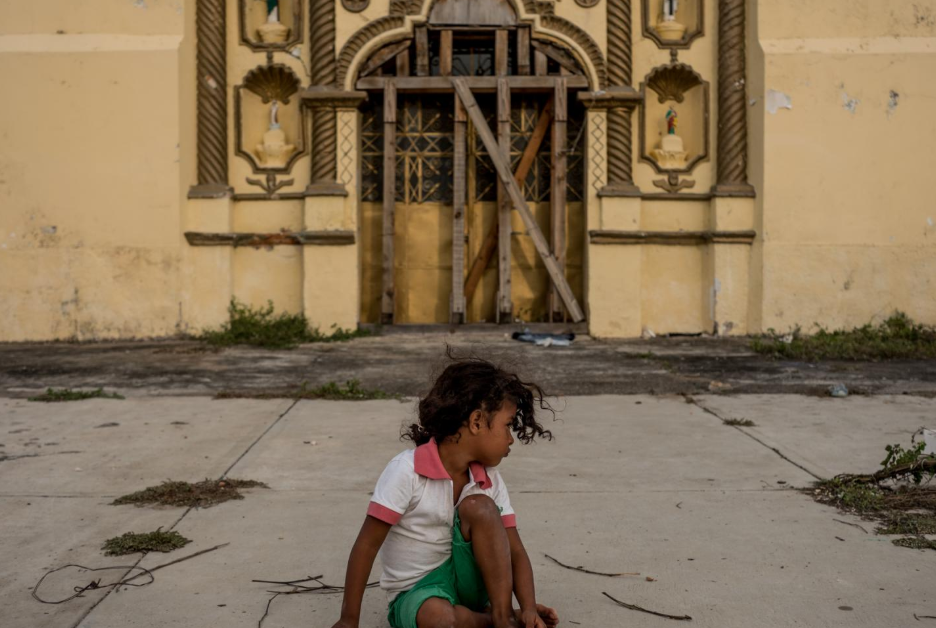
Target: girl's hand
{"points": [[344, 623], [540, 617]]}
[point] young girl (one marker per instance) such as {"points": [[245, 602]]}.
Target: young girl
{"points": [[440, 515]]}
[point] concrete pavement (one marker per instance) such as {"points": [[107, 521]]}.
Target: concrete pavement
{"points": [[631, 483]]}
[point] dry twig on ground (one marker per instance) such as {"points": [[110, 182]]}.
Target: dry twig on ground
{"points": [[583, 570], [634, 607]]}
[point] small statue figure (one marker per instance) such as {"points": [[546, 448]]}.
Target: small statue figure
{"points": [[668, 27], [274, 152], [273, 31], [671, 154]]}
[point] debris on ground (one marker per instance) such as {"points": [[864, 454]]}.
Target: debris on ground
{"points": [[134, 542], [898, 497], [96, 585], [839, 391], [634, 607], [298, 586], [202, 494], [352, 390], [739, 422], [588, 571], [544, 340], [51, 395]]}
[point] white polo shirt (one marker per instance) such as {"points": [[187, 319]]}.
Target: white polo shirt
{"points": [[414, 495]]}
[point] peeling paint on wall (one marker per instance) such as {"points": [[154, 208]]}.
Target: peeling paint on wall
{"points": [[892, 101], [848, 103], [777, 100]]}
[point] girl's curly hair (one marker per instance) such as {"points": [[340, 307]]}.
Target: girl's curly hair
{"points": [[471, 383]]}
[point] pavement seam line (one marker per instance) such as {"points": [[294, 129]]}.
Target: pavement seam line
{"points": [[77, 624], [696, 403]]}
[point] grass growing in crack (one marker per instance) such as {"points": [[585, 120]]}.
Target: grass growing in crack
{"points": [[52, 395], [261, 327], [133, 542], [739, 422], [352, 390], [897, 337], [201, 494]]}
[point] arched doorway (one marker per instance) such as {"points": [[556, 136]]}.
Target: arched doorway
{"points": [[444, 239]]}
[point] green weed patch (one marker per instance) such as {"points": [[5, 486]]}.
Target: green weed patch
{"points": [[52, 395], [898, 337], [261, 327], [133, 542], [202, 494], [352, 390]]}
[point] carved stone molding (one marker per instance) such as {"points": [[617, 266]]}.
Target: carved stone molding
{"points": [[211, 62], [731, 167], [671, 82], [294, 238], [295, 34], [583, 39], [672, 238], [323, 71], [535, 7], [359, 39], [355, 6], [272, 82], [587, 3], [620, 134]]}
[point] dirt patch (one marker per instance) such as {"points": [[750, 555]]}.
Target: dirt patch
{"points": [[52, 395], [352, 390], [202, 494]]}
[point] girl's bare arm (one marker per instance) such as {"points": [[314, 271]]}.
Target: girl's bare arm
{"points": [[369, 539], [522, 572]]}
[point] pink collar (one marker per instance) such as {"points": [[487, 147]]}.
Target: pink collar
{"points": [[428, 464]]}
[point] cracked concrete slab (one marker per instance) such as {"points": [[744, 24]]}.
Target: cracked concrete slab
{"points": [[830, 436], [112, 447], [44, 533], [631, 483]]}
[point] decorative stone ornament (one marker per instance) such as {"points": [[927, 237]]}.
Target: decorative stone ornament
{"points": [[274, 152], [355, 6], [586, 3], [270, 24], [275, 133], [673, 24], [674, 152]]}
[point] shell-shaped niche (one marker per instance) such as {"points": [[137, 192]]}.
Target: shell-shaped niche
{"points": [[270, 24], [272, 82], [674, 126], [673, 23], [270, 133]]}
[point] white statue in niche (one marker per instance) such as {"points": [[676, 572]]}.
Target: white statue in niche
{"points": [[671, 154], [668, 27], [273, 31], [274, 152]]}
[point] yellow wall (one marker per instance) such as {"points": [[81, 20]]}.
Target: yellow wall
{"points": [[98, 154], [848, 227], [92, 168]]}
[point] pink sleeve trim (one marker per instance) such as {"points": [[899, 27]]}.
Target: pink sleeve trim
{"points": [[510, 521], [383, 513]]}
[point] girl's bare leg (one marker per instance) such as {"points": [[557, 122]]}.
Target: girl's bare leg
{"points": [[439, 613], [482, 526]]}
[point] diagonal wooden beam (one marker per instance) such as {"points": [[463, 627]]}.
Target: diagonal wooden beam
{"points": [[502, 164], [489, 245]]}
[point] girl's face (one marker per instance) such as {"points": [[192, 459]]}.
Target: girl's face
{"points": [[497, 437]]}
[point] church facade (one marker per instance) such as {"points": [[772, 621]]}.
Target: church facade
{"points": [[616, 167]]}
